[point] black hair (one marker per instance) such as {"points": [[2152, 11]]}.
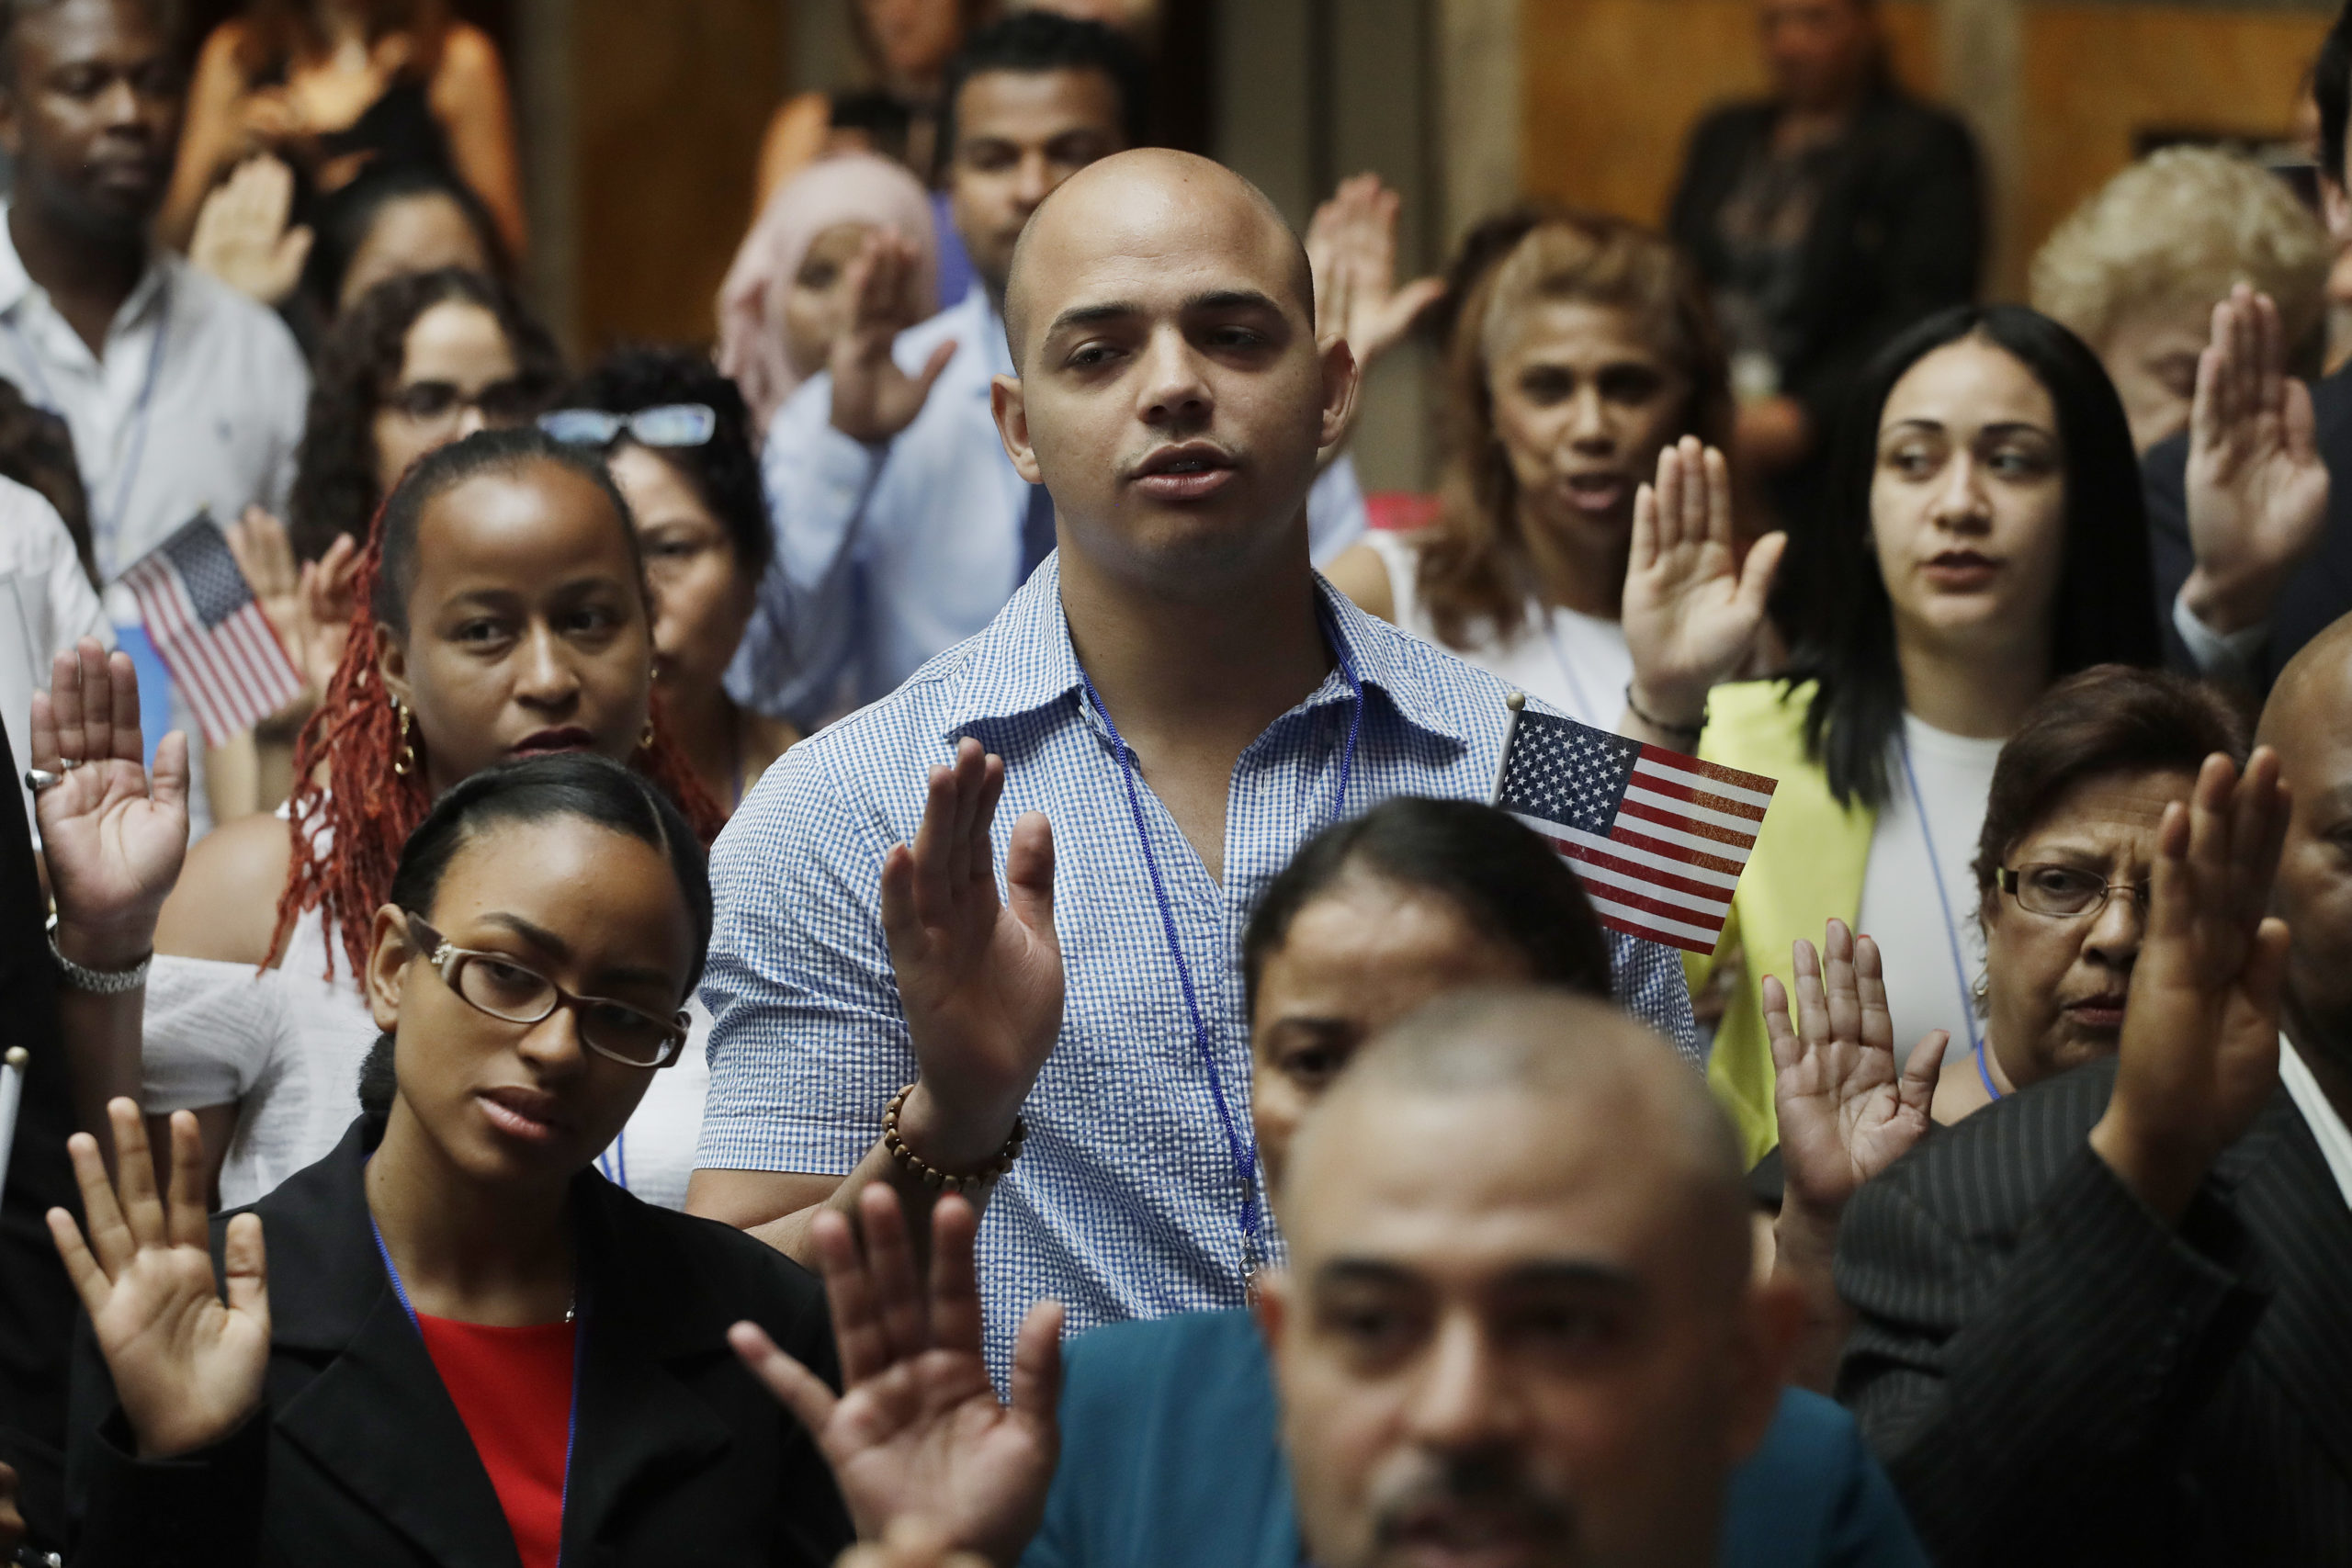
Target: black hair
{"points": [[334, 491], [540, 789], [1036, 41], [723, 472], [2105, 606], [37, 451], [344, 219], [445, 468], [2332, 92], [1509, 882]]}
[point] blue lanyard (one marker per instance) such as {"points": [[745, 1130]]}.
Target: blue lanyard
{"points": [[613, 1162], [579, 1358], [1244, 1151], [107, 524], [1951, 937]]}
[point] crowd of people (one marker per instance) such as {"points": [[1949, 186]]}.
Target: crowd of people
{"points": [[883, 940]]}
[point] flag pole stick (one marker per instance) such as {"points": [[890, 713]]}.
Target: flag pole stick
{"points": [[1517, 704]]}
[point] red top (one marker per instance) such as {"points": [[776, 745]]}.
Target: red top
{"points": [[513, 1388]]}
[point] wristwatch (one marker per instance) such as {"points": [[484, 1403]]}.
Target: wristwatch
{"points": [[101, 982]]}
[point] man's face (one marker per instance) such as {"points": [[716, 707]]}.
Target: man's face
{"points": [[1018, 134], [1815, 50], [2314, 892], [1497, 1341], [1172, 395], [92, 114]]}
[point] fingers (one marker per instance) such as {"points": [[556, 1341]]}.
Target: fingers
{"points": [[1869, 994], [1714, 474], [2271, 358], [955, 1275], [858, 1336], [795, 1387], [900, 1303], [1645, 529], [1037, 1362], [109, 1237], [1755, 573], [122, 739], [932, 369], [70, 678], [246, 1262], [1813, 1002], [1917, 1086], [1838, 982], [1029, 873], [1782, 1036], [43, 750], [169, 787], [90, 1281], [185, 1207], [935, 847], [134, 1172], [1669, 500]]}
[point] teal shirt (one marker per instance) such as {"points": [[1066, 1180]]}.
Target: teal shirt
{"points": [[1170, 1460]]}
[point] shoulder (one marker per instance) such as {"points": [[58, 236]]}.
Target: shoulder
{"points": [[228, 319], [32, 535], [225, 906], [467, 50], [1733, 122], [222, 61], [1199, 1375], [717, 1270], [1814, 1481], [1914, 126]]}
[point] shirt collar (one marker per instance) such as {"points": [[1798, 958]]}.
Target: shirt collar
{"points": [[2328, 1130], [1023, 661]]}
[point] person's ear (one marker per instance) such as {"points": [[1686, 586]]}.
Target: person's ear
{"points": [[389, 952], [391, 665], [2334, 205], [12, 129], [1343, 379], [1011, 407], [1770, 1320]]}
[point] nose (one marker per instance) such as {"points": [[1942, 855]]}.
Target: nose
{"points": [[1033, 180], [554, 1042], [1461, 1401], [2114, 937], [544, 675], [469, 420], [1176, 393], [1960, 503], [1589, 431]]}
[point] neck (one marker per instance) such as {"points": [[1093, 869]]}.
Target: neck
{"points": [[1207, 666], [1980, 690], [466, 1250], [708, 729], [1578, 567], [2325, 1052], [79, 266]]}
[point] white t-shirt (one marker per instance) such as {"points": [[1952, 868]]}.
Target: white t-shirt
{"points": [[1574, 661], [1934, 950]]}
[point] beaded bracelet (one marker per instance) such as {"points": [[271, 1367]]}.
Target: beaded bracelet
{"points": [[1693, 730], [940, 1181]]}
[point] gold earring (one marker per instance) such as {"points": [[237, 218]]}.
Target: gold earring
{"points": [[404, 760], [645, 741]]}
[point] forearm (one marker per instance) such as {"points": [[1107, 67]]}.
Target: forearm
{"points": [[792, 1234], [102, 1031], [1804, 1255]]}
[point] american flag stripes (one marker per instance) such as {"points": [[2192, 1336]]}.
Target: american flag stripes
{"points": [[203, 619], [1659, 838]]}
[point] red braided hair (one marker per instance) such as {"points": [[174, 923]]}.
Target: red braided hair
{"points": [[366, 807]]}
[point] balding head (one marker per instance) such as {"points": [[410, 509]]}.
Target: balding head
{"points": [[2308, 720], [1170, 392], [1517, 1310]]}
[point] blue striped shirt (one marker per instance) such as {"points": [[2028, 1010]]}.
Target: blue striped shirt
{"points": [[1126, 1202]]}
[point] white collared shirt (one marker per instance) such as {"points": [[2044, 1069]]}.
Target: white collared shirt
{"points": [[2333, 1137], [218, 430]]}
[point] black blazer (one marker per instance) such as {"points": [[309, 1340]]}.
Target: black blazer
{"points": [[360, 1460], [1899, 233], [2051, 1373], [2315, 593]]}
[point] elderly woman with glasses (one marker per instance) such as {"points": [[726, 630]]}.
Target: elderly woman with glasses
{"points": [[678, 439]]}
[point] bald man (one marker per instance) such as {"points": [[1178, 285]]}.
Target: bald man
{"points": [[2110, 1319], [1175, 700]]}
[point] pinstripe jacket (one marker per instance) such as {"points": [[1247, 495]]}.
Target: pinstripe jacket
{"points": [[2051, 1373]]}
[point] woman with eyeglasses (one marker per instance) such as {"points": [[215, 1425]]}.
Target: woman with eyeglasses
{"points": [[503, 614], [448, 1340], [676, 435]]}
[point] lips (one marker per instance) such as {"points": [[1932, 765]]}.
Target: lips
{"points": [[1598, 493], [526, 1115], [1190, 470], [547, 742], [1960, 570], [1487, 1537], [2102, 1012]]}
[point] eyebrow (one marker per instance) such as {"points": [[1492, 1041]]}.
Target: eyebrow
{"points": [[2004, 427], [557, 948], [1117, 309], [1575, 1273]]}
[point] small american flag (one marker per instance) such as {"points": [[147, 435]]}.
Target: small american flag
{"points": [[1659, 838], [203, 618]]}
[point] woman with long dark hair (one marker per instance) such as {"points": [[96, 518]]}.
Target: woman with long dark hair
{"points": [[1984, 537]]}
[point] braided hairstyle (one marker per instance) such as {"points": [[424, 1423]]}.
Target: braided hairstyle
{"points": [[349, 819]]}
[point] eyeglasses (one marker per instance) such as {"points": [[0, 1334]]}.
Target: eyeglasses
{"points": [[504, 403], [669, 424], [494, 984], [2065, 891]]}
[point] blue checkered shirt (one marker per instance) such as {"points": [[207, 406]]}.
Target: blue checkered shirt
{"points": [[1126, 1202]]}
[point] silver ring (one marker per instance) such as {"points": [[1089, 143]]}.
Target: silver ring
{"points": [[40, 779]]}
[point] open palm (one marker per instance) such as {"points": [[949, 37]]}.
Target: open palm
{"points": [[916, 1432], [113, 844], [1693, 610], [1846, 1112], [187, 1367], [979, 977]]}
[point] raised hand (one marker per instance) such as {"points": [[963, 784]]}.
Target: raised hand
{"points": [[917, 1432], [1351, 250], [242, 236], [186, 1367], [873, 398], [979, 979], [307, 605], [1693, 612], [2199, 1056], [113, 844], [1846, 1113], [2257, 490]]}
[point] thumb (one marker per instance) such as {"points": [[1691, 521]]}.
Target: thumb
{"points": [[247, 1265], [1755, 572], [169, 789], [1029, 873], [293, 251], [1918, 1087], [1037, 1364], [931, 370], [795, 1387]]}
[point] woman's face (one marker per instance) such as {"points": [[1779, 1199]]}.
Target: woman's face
{"points": [[1359, 956], [2151, 356], [526, 625], [702, 597], [816, 306], [915, 37], [2055, 984], [415, 233], [1968, 498], [595, 911], [458, 376], [1583, 405]]}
